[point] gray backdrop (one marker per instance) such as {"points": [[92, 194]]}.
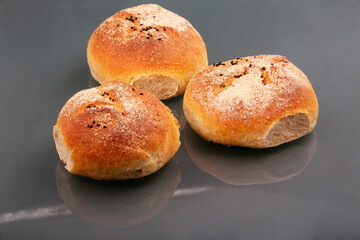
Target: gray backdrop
{"points": [[307, 189]]}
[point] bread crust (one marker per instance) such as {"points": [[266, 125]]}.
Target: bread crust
{"points": [[146, 41], [241, 101], [116, 131]]}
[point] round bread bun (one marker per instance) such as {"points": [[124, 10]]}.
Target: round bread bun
{"points": [[258, 102], [149, 47], [115, 131]]}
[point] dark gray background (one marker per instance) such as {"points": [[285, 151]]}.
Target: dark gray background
{"points": [[307, 189]]}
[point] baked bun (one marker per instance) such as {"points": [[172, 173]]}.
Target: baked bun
{"points": [[149, 47], [115, 131], [258, 102]]}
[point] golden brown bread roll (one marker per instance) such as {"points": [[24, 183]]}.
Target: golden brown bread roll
{"points": [[115, 131], [258, 102], [149, 47]]}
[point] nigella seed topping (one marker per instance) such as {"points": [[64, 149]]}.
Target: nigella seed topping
{"points": [[250, 65], [246, 59], [88, 106], [98, 125], [164, 29], [221, 74], [90, 126], [131, 19], [272, 64], [237, 58], [93, 122], [118, 25], [112, 99], [263, 68], [147, 37], [104, 126], [133, 89], [233, 63], [159, 39], [141, 24], [141, 93]]}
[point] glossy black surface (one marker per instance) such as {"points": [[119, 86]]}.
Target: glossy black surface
{"points": [[307, 189]]}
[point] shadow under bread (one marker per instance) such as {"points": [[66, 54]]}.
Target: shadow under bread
{"points": [[246, 166], [119, 203]]}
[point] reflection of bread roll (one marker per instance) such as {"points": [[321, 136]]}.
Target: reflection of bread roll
{"points": [[115, 131], [242, 166], [120, 204], [149, 47], [257, 102]]}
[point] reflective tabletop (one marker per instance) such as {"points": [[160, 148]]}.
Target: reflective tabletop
{"points": [[305, 189]]}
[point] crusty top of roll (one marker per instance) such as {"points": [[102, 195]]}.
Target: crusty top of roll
{"points": [[259, 101], [252, 88], [115, 123], [146, 40]]}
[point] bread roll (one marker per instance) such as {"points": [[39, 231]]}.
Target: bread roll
{"points": [[258, 102], [115, 131], [149, 47]]}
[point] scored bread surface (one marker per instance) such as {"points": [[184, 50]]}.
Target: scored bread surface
{"points": [[147, 41], [239, 102], [115, 131]]}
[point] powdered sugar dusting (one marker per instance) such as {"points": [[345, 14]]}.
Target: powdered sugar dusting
{"points": [[150, 21], [248, 85], [119, 107], [154, 15]]}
